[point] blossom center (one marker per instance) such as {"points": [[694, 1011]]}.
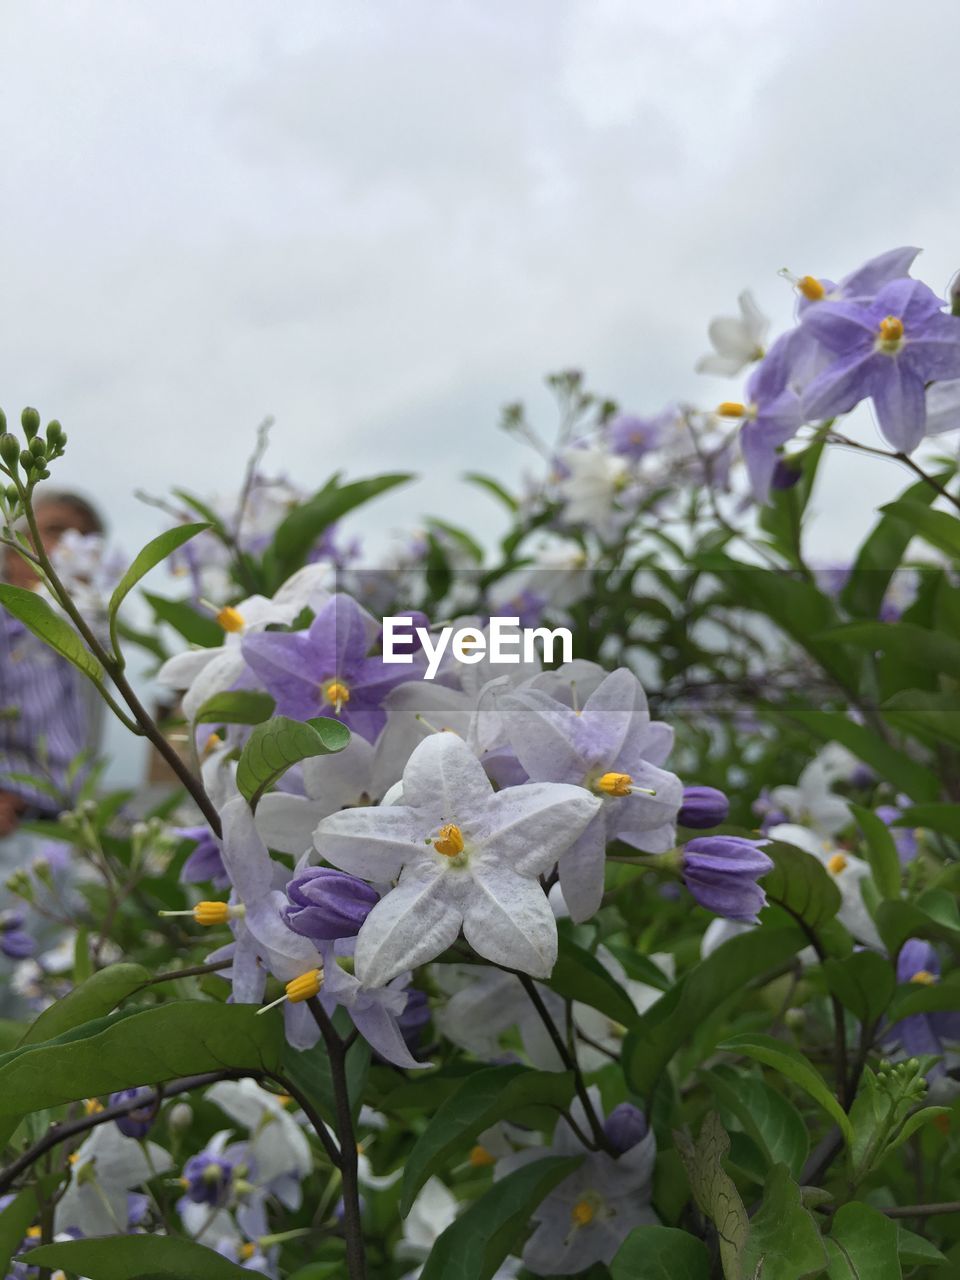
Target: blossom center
{"points": [[583, 1212], [231, 619], [480, 1157], [924, 977], [336, 693], [811, 288], [890, 335], [837, 864], [614, 784], [734, 409], [450, 840]]}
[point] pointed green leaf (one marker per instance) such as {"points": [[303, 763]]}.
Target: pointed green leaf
{"points": [[276, 745], [195, 627], [715, 1191], [784, 1241], [939, 528], [578, 975], [863, 982], [236, 706], [308, 520], [897, 768], [152, 554], [137, 1257], [801, 884], [54, 630], [881, 852], [862, 1245], [765, 1115], [661, 1253]]}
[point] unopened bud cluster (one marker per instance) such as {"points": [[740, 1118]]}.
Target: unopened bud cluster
{"points": [[30, 455]]}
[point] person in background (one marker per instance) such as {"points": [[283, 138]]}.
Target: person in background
{"points": [[49, 713]]}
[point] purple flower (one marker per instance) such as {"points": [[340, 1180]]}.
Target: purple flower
{"points": [[326, 671], [770, 417], [205, 863], [905, 838], [703, 807], [325, 905], [625, 1126], [207, 1178], [922, 1033], [633, 437], [886, 350], [722, 872], [15, 942], [859, 285], [136, 1123]]}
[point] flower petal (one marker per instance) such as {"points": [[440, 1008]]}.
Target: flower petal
{"points": [[414, 923], [507, 918]]}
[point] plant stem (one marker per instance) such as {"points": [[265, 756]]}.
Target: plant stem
{"points": [[352, 1225]]}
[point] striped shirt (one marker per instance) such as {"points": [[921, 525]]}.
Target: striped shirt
{"points": [[49, 715]]}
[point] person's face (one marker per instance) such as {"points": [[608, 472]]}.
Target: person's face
{"points": [[53, 521]]}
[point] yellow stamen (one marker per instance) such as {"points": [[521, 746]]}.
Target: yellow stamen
{"points": [[33, 1233], [837, 864], [480, 1157], [231, 619], [924, 977], [336, 693], [284, 1099], [891, 329], [615, 784], [91, 1106], [731, 409], [450, 841], [211, 913], [811, 288], [299, 989], [583, 1213], [73, 1157], [247, 1251]]}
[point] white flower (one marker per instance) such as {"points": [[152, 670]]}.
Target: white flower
{"points": [[848, 873], [106, 1166], [737, 340], [589, 491], [811, 801], [281, 1153], [463, 856]]}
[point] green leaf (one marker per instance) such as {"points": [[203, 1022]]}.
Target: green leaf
{"points": [[944, 818], [669, 1023], [903, 772], [801, 884], [914, 1122], [195, 627], [578, 975], [494, 487], [933, 717], [904, 641], [916, 997], [661, 1253], [784, 1241], [863, 982], [308, 521], [881, 852], [164, 1042], [898, 921], [475, 1245], [278, 744], [772, 1121], [18, 1216], [862, 1245], [915, 1251], [791, 1063], [152, 554], [482, 1100], [236, 706], [939, 528], [35, 614], [715, 1191], [881, 554], [143, 1257]]}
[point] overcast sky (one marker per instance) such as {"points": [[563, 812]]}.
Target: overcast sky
{"points": [[380, 221]]}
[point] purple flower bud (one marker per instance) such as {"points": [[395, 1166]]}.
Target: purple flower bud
{"points": [[625, 1126], [205, 863], [136, 1123], [903, 837], [415, 1016], [207, 1178], [325, 904], [703, 807], [785, 474], [15, 942], [722, 872]]}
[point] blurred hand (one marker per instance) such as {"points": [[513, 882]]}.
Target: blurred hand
{"points": [[11, 807]]}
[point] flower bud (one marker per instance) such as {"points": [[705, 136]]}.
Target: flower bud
{"points": [[136, 1123], [30, 421], [38, 448], [207, 1178], [26, 459], [722, 872], [785, 474], [625, 1126], [703, 807], [180, 1117], [15, 942], [325, 905], [9, 448]]}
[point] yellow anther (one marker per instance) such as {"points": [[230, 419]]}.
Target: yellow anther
{"points": [[450, 840], [811, 288], [284, 1099], [247, 1251], [184, 1182], [480, 1157], [91, 1106], [336, 693], [731, 409], [837, 864], [583, 1213], [231, 619], [305, 987], [615, 784], [73, 1157], [924, 977], [211, 912], [891, 329], [33, 1233]]}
